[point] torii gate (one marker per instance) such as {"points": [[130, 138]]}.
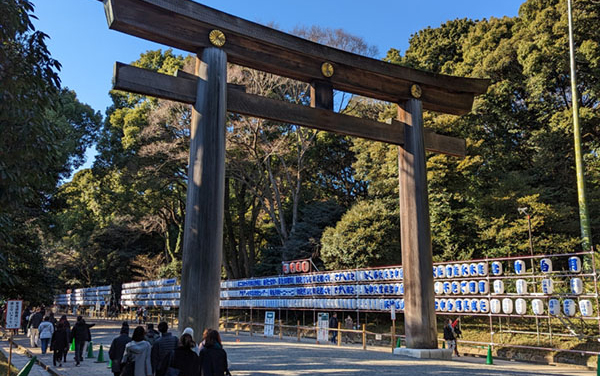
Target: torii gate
{"points": [[220, 37]]}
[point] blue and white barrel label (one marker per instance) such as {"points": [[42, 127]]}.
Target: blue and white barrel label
{"points": [[547, 286], [497, 268], [507, 306], [585, 307], [484, 306], [455, 287], [546, 265], [553, 307], [574, 264], [483, 286], [569, 307], [498, 286], [576, 286], [482, 269], [537, 306], [519, 266], [495, 306], [520, 306], [521, 286]]}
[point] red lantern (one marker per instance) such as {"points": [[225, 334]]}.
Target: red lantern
{"points": [[298, 266], [305, 266], [286, 268], [292, 267]]}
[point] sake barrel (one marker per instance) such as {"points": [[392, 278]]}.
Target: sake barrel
{"points": [[520, 306], [483, 287], [484, 305], [521, 286], [455, 287], [467, 305], [498, 286], [441, 271], [447, 287], [519, 267], [547, 286], [464, 287], [537, 306], [451, 305], [443, 306], [482, 269], [456, 270], [438, 288], [495, 306], [569, 307], [497, 268], [458, 303], [473, 269], [574, 264], [464, 270], [585, 307], [576, 286], [507, 306], [553, 307], [435, 271], [474, 305], [449, 271], [546, 265], [436, 304], [472, 287]]}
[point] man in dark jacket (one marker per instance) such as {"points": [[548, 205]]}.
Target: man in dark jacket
{"points": [[117, 348], [162, 347], [450, 336], [79, 333], [34, 321], [333, 326]]}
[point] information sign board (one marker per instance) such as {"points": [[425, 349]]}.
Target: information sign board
{"points": [[323, 327], [13, 314], [269, 323]]}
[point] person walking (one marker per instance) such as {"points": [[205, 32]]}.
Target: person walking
{"points": [[212, 360], [450, 336], [34, 322], [67, 327], [117, 348], [25, 319], [138, 351], [151, 334], [183, 358], [162, 347], [45, 329], [333, 327], [79, 333], [59, 343]]}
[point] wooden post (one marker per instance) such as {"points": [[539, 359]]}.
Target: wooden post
{"points": [[10, 341], [393, 335], [280, 329], [237, 328], [364, 336], [415, 233], [203, 234], [298, 330], [339, 333]]}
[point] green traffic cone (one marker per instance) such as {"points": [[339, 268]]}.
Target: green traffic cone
{"points": [[443, 344], [100, 356], [90, 350], [399, 342], [489, 359], [25, 371], [72, 348], [109, 363]]}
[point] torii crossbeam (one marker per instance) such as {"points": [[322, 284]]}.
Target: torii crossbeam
{"points": [[221, 37]]}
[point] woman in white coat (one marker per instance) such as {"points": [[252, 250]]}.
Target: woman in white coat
{"points": [[138, 351], [46, 329]]}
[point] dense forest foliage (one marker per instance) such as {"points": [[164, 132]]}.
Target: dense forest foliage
{"points": [[292, 192]]}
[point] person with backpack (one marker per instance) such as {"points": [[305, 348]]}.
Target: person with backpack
{"points": [[162, 347]]}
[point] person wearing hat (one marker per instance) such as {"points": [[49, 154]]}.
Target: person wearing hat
{"points": [[117, 348], [190, 331]]}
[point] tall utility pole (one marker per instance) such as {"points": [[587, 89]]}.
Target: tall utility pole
{"points": [[586, 234]]}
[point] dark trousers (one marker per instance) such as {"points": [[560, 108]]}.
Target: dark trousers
{"points": [[58, 355], [65, 351], [79, 351]]}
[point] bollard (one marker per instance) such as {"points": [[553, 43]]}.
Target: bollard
{"points": [[489, 359], [237, 328], [399, 343], [298, 330], [339, 334], [109, 363], [364, 336], [25, 371], [72, 348], [443, 344], [250, 328], [90, 350], [280, 329], [100, 355]]}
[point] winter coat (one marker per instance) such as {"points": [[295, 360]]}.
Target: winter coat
{"points": [[60, 340], [139, 352], [449, 333], [46, 330], [35, 320], [67, 329], [116, 351], [213, 361], [161, 348], [152, 336], [333, 323], [184, 359], [79, 332]]}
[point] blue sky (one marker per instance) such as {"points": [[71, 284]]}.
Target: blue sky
{"points": [[87, 49]]}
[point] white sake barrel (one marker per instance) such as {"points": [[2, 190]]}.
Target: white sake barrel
{"points": [[537, 306], [483, 287], [456, 270], [464, 270], [455, 287], [447, 288], [574, 264], [467, 305], [402, 304], [449, 271], [498, 286], [401, 288], [450, 303], [464, 287], [495, 306], [507, 306], [520, 267], [473, 269], [436, 304], [569, 307], [547, 286], [585, 307], [473, 287], [443, 305], [474, 305], [546, 265], [438, 288], [497, 268], [441, 271], [553, 307], [521, 286], [520, 306], [576, 286], [484, 305], [459, 304], [482, 269], [401, 273]]}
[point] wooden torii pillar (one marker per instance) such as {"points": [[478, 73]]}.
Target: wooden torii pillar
{"points": [[194, 27]]}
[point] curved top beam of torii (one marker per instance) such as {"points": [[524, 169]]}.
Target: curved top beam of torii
{"points": [[186, 25]]}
